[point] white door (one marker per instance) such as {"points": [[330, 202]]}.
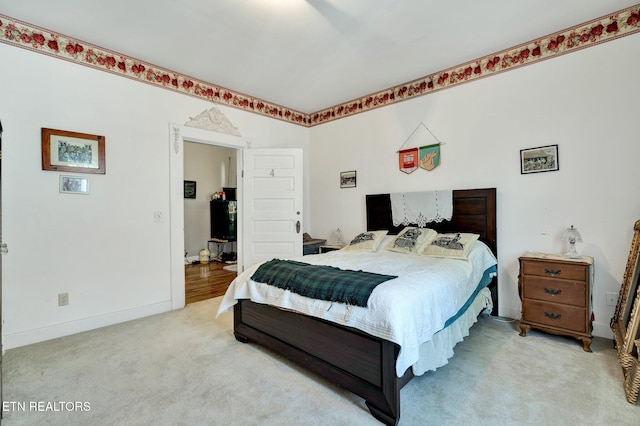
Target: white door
{"points": [[272, 203]]}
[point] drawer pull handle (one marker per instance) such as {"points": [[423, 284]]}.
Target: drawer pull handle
{"points": [[552, 272], [552, 291], [552, 316]]}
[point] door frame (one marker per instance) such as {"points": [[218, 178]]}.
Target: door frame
{"points": [[178, 135]]}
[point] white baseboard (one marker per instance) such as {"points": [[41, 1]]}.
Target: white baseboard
{"points": [[24, 338], [602, 330], [509, 312]]}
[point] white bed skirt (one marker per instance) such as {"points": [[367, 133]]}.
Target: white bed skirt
{"points": [[436, 352]]}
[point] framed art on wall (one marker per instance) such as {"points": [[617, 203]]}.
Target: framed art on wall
{"points": [[348, 179], [74, 185], [540, 159], [65, 151], [189, 189]]}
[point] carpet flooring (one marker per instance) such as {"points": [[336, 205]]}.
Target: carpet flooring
{"points": [[185, 368]]}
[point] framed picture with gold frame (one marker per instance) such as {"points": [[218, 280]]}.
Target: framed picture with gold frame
{"points": [[65, 151], [626, 320]]}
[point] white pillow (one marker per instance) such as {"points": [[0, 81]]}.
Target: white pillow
{"points": [[454, 246], [366, 241], [385, 241], [412, 240]]}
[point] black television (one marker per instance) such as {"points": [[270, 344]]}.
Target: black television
{"points": [[224, 215]]}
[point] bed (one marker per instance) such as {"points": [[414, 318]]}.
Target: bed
{"points": [[362, 362]]}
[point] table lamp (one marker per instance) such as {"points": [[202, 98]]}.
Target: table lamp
{"points": [[572, 235]]}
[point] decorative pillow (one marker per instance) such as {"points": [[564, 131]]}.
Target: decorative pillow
{"points": [[385, 241], [412, 240], [366, 241], [454, 246]]}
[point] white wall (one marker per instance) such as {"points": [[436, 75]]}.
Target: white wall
{"points": [[586, 102], [112, 258], [210, 167], [105, 249]]}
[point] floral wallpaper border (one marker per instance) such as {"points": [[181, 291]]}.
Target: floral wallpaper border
{"points": [[603, 29], [606, 28]]}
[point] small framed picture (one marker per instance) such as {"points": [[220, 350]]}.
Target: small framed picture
{"points": [[74, 185], [64, 151], [189, 189], [540, 159], [348, 179]]}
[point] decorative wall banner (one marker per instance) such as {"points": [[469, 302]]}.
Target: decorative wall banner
{"points": [[430, 156], [426, 157], [408, 160]]}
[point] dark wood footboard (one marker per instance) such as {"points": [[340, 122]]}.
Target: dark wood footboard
{"points": [[361, 363]]}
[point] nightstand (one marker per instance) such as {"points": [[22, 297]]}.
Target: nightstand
{"points": [[556, 295], [312, 246], [328, 248]]}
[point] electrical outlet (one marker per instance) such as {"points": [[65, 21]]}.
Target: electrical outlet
{"points": [[612, 299], [63, 299], [157, 215]]}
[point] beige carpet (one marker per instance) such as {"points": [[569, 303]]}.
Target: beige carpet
{"points": [[185, 368]]}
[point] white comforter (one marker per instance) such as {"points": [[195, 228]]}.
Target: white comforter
{"points": [[407, 310]]}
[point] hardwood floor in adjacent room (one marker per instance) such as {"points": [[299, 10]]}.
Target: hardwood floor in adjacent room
{"points": [[205, 281]]}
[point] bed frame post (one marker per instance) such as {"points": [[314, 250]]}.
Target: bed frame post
{"points": [[391, 386]]}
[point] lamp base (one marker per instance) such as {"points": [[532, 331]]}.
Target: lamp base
{"points": [[572, 251]]}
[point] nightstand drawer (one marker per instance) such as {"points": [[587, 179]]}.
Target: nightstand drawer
{"points": [[555, 315], [554, 290], [555, 270]]}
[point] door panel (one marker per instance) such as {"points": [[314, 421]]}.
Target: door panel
{"points": [[272, 218]]}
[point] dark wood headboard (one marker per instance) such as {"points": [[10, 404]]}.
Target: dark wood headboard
{"points": [[474, 211]]}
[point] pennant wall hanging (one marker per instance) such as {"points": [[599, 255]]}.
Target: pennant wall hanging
{"points": [[408, 160], [427, 156], [430, 156]]}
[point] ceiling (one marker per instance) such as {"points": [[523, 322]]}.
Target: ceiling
{"points": [[307, 55]]}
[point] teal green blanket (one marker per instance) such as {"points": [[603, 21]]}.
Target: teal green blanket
{"points": [[320, 282]]}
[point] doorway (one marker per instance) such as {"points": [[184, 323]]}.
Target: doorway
{"points": [[210, 171], [178, 136]]}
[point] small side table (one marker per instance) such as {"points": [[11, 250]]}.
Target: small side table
{"points": [[312, 246], [556, 295], [219, 244]]}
